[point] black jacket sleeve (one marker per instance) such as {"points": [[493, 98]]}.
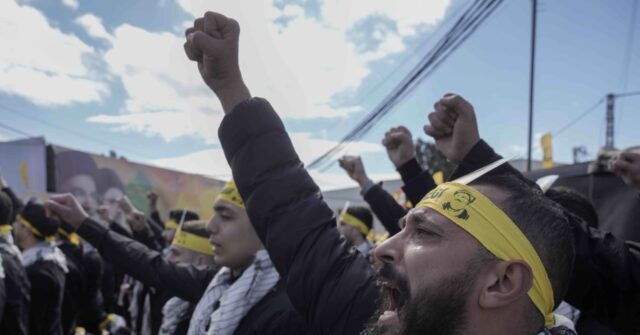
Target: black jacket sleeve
{"points": [[148, 266], [605, 283], [385, 207], [416, 182], [147, 237], [333, 288]]}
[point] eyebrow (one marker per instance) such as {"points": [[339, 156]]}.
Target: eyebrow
{"points": [[221, 208], [426, 219]]}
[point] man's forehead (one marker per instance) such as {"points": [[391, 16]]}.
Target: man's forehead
{"points": [[222, 205], [428, 216]]}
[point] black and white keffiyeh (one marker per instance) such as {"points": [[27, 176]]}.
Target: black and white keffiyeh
{"points": [[225, 304], [45, 251]]}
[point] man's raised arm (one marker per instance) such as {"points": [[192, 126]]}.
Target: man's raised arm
{"points": [[333, 288]]}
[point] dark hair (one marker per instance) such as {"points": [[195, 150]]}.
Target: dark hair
{"points": [[543, 222], [363, 214], [575, 203], [106, 179], [34, 213], [71, 163], [6, 209], [196, 227]]}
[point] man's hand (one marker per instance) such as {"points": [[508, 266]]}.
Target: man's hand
{"points": [[153, 201], [125, 205], [103, 213], [65, 207], [399, 145], [355, 169], [453, 126], [213, 43], [137, 220], [627, 166]]}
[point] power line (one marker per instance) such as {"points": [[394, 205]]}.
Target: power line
{"points": [[15, 130], [70, 131], [591, 109], [464, 27]]}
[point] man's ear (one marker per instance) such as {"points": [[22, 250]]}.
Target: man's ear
{"points": [[504, 283]]}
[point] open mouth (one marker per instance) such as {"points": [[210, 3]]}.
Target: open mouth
{"points": [[395, 302]]}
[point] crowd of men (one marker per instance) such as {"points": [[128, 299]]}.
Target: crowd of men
{"points": [[489, 252]]}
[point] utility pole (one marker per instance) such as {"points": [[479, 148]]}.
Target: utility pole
{"points": [[610, 130], [534, 7]]}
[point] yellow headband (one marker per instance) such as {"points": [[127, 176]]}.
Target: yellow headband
{"points": [[72, 237], [33, 229], [192, 242], [5, 229], [172, 224], [230, 194], [354, 221], [477, 215]]}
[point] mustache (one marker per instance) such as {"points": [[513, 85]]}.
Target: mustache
{"points": [[388, 274]]}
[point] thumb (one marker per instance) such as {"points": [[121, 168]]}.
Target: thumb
{"points": [[208, 45]]}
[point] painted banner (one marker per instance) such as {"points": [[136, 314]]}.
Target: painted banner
{"points": [[99, 180]]}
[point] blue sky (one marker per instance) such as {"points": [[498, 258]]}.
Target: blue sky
{"points": [[97, 75]]}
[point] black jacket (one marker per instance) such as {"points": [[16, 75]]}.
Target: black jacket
{"points": [[417, 183], [92, 312], [47, 290], [16, 310], [74, 288], [272, 315], [331, 286]]}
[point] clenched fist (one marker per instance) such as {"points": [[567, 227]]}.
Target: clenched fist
{"points": [[212, 42], [627, 166], [399, 145], [355, 169], [65, 207], [453, 126]]}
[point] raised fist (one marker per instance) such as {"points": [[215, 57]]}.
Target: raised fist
{"points": [[399, 145], [212, 42], [627, 166], [153, 200], [67, 208], [355, 169], [453, 126]]}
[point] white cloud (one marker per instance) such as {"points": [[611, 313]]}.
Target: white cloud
{"points": [[300, 67], [165, 94], [41, 63], [212, 162], [169, 125], [93, 25], [73, 4]]}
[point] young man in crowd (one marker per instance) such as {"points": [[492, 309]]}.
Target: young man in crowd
{"points": [[190, 246], [354, 225], [247, 270], [15, 318], [440, 274], [46, 268]]}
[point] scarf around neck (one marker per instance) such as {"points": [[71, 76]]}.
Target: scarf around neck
{"points": [[226, 302]]}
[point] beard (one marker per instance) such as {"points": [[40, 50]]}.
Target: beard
{"points": [[437, 309]]}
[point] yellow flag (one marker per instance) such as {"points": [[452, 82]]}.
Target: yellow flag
{"points": [[25, 175], [547, 150]]}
